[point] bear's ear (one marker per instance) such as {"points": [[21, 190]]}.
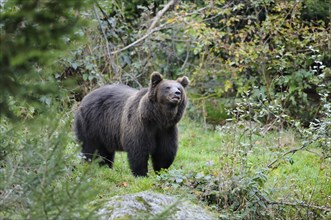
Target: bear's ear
{"points": [[184, 81], [156, 78]]}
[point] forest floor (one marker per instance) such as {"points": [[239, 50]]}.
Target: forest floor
{"points": [[231, 171]]}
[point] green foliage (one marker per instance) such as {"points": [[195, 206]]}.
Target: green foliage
{"points": [[38, 177], [32, 35], [319, 131], [266, 61], [244, 183], [239, 195], [316, 9], [228, 171], [227, 49], [260, 45]]}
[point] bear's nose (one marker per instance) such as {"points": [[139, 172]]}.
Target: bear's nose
{"points": [[178, 92]]}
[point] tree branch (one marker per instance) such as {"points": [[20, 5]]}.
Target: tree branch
{"points": [[161, 13], [135, 42], [151, 29], [109, 54], [103, 32], [286, 153], [322, 208], [300, 204]]}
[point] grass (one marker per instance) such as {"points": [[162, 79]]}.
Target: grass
{"points": [[309, 176], [205, 156], [306, 178]]}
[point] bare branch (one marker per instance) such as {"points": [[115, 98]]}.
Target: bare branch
{"points": [[103, 32], [136, 42], [109, 54], [292, 151], [186, 59], [322, 208], [151, 29], [294, 204], [161, 13]]}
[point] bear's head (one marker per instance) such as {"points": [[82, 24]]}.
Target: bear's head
{"points": [[168, 92]]}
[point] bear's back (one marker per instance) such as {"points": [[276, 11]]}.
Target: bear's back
{"points": [[101, 111], [109, 93]]}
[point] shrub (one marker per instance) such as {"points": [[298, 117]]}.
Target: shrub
{"points": [[38, 174]]}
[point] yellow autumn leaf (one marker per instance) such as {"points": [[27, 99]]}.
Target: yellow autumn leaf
{"points": [[227, 85], [170, 20]]}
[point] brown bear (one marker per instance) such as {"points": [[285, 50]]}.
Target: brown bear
{"points": [[140, 122]]}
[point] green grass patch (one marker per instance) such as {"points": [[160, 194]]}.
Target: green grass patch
{"points": [[224, 169], [206, 155]]}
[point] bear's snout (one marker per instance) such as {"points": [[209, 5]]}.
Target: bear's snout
{"points": [[175, 91], [175, 95]]}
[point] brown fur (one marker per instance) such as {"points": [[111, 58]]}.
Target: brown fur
{"points": [[140, 122]]}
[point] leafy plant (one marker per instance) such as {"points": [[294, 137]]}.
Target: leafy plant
{"points": [[318, 133]]}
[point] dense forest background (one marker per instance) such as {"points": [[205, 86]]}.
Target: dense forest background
{"points": [[264, 65]]}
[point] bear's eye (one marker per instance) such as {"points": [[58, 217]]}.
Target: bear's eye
{"points": [[168, 87]]}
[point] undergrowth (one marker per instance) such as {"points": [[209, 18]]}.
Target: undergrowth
{"points": [[247, 169], [37, 176], [217, 168], [238, 184], [241, 170]]}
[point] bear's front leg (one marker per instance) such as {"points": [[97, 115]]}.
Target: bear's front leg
{"points": [[136, 141], [138, 162], [166, 149], [138, 153]]}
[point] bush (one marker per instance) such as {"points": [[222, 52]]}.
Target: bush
{"points": [[38, 174], [38, 180], [33, 34]]}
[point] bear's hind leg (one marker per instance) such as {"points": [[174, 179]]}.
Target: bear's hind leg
{"points": [[107, 158], [90, 152]]}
